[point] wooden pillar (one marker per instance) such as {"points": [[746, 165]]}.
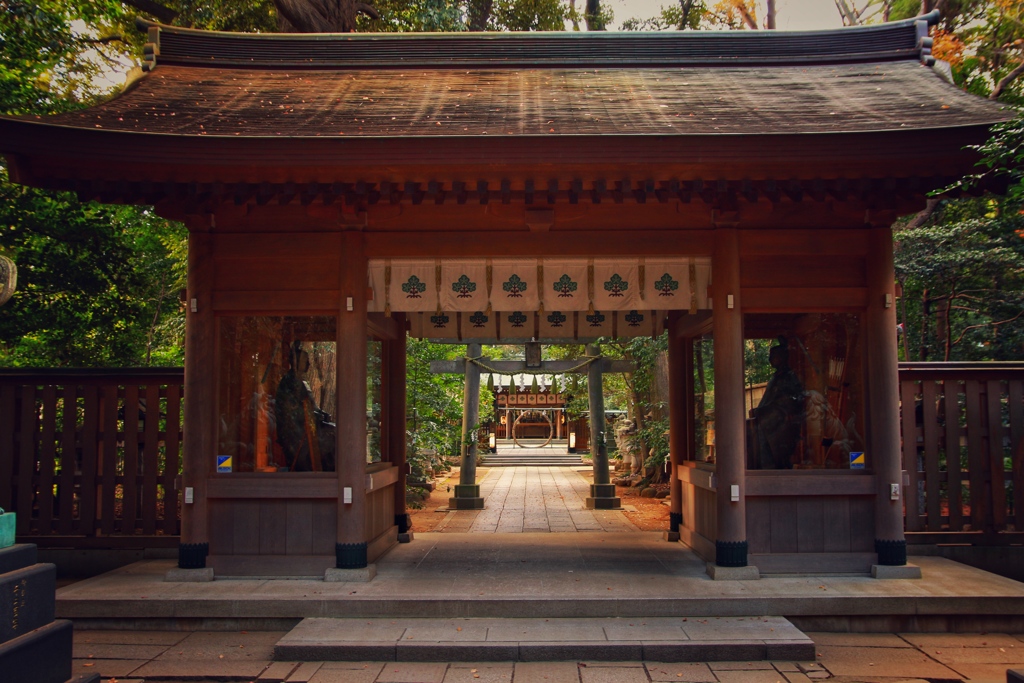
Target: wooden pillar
{"points": [[602, 491], [680, 417], [350, 549], [200, 406], [393, 367], [730, 468], [883, 399], [467, 491]]}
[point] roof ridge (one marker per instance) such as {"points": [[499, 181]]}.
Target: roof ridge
{"points": [[901, 40]]}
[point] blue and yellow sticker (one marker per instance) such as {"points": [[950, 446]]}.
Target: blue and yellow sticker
{"points": [[856, 460], [223, 463]]}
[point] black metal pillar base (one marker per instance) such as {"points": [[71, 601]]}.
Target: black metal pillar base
{"points": [[675, 520], [350, 555], [467, 497], [403, 522], [891, 553], [731, 553], [192, 555], [602, 497]]}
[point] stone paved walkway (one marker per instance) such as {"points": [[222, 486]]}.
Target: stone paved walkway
{"points": [[842, 658], [531, 499]]}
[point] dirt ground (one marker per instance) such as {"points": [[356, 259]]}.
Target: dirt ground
{"points": [[651, 513]]}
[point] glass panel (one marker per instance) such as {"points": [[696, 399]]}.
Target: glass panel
{"points": [[276, 394], [804, 391], [373, 400], [704, 398]]}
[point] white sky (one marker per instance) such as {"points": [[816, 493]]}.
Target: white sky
{"points": [[790, 15]]}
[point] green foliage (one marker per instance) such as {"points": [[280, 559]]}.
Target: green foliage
{"points": [[434, 405], [680, 16], [97, 285], [646, 403]]}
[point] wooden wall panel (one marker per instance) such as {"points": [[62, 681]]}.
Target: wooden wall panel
{"points": [[299, 519], [784, 525], [862, 524], [246, 525], [810, 525], [324, 526], [835, 515], [759, 525], [274, 529], [274, 274]]}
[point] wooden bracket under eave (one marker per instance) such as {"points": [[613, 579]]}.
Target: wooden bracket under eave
{"points": [[540, 220], [17, 169]]}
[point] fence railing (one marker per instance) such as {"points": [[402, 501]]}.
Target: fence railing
{"points": [[92, 454], [91, 458], [963, 435]]}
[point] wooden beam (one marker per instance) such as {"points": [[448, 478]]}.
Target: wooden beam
{"points": [[550, 367]]}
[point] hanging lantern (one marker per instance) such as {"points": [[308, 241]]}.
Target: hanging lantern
{"points": [[8, 279]]}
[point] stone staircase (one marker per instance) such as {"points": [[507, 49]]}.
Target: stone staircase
{"points": [[660, 639], [509, 456]]}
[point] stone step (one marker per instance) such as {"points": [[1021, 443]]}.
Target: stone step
{"points": [[42, 655], [27, 599], [661, 639]]}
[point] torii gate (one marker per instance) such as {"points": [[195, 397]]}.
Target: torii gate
{"points": [[467, 491]]}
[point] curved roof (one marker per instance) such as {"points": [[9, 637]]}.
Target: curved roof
{"points": [[305, 108]]}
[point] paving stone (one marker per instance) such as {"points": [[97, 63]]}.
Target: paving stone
{"points": [[217, 668], [616, 674], [233, 645], [479, 673], [130, 637], [694, 672], [957, 640], [412, 672], [576, 650], [984, 673], [978, 655], [277, 672], [305, 672], [762, 628], [761, 676], [859, 639], [416, 651], [115, 651], [347, 672], [741, 666], [546, 672], [118, 668], [878, 661]]}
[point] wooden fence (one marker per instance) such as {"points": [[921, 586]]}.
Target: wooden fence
{"points": [[80, 453], [91, 458], [963, 435]]}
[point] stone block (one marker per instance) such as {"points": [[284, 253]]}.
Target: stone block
{"points": [[592, 650], [17, 556], [904, 571], [85, 678], [335, 652], [422, 651], [748, 573], [360, 575], [670, 536], [179, 575], [39, 656], [791, 650], [27, 599], [405, 537], [1015, 676]]}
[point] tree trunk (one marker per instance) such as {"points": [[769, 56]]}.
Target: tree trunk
{"points": [[323, 16], [769, 17], [595, 22], [925, 315], [480, 14]]}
